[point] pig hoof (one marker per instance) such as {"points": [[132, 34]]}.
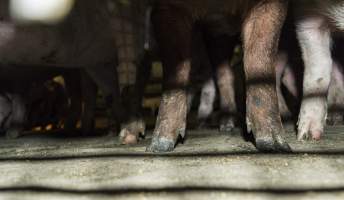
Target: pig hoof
{"points": [[128, 138], [132, 132], [265, 144], [335, 119], [305, 134], [311, 119], [70, 126], [227, 125], [307, 131], [268, 145], [271, 145], [160, 145], [88, 133], [202, 124], [13, 134]]}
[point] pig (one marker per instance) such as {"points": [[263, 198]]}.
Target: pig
{"points": [[75, 42], [290, 75], [36, 100], [316, 21], [261, 22], [210, 72]]}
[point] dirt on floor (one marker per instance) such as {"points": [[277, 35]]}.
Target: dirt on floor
{"points": [[207, 165]]}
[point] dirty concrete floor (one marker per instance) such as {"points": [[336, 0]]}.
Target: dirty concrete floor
{"points": [[208, 165]]}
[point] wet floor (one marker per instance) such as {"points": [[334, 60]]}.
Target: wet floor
{"points": [[207, 165]]}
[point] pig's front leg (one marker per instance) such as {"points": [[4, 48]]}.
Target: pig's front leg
{"points": [[173, 31], [261, 31], [314, 39]]}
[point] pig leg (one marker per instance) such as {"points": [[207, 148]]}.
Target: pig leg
{"points": [[106, 78], [314, 39], [72, 84], [190, 98], [290, 81], [261, 31], [220, 49], [336, 96], [5, 110], [173, 28], [206, 106], [17, 119], [130, 97], [131, 131], [225, 82], [202, 75], [135, 126], [89, 95], [281, 64]]}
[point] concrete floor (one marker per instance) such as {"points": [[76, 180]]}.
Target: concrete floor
{"points": [[208, 165]]}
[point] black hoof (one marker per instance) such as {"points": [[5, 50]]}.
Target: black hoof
{"points": [[202, 124], [13, 134], [70, 126], [270, 145], [334, 119], [111, 133], [226, 125], [160, 145]]}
